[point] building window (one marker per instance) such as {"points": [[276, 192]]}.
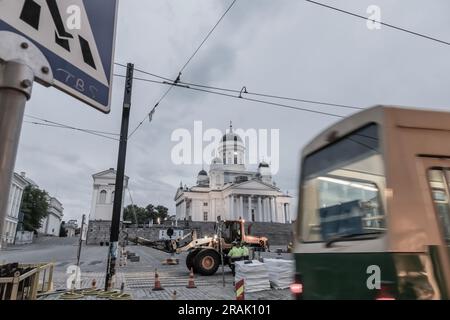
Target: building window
{"points": [[112, 197], [205, 216], [102, 198], [205, 204]]}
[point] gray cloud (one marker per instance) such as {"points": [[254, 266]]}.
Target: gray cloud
{"points": [[286, 47]]}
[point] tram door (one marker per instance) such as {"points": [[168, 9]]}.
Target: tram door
{"points": [[437, 173]]}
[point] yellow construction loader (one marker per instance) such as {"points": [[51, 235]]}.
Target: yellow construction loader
{"points": [[204, 254]]}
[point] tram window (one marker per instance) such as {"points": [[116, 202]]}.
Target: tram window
{"points": [[439, 180], [341, 188]]}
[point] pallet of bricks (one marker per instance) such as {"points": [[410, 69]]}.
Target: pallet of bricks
{"points": [[25, 282]]}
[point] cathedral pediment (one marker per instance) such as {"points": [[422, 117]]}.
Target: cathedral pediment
{"points": [[254, 185]]}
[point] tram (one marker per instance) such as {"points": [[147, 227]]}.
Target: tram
{"points": [[374, 213]]}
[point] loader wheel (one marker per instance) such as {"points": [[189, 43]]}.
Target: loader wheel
{"points": [[207, 262], [190, 259]]}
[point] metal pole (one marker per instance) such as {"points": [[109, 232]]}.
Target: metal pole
{"points": [[16, 82], [120, 175], [221, 252], [80, 243]]}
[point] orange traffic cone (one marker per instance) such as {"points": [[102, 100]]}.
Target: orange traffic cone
{"points": [[157, 286], [191, 284]]}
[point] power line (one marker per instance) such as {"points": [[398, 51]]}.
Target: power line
{"points": [[238, 97], [152, 111], [242, 91], [380, 22], [62, 124], [145, 72], [272, 96], [64, 127], [54, 124]]}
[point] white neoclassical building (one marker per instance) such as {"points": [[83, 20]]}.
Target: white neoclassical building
{"points": [[51, 224], [230, 191], [18, 184], [103, 195]]}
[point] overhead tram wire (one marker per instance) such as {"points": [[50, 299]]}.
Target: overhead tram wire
{"points": [[62, 124], [69, 128], [54, 124], [152, 111], [240, 92], [380, 22], [239, 97]]}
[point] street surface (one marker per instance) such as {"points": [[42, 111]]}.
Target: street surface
{"points": [[138, 277]]}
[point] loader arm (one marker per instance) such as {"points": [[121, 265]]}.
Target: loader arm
{"points": [[168, 246]]}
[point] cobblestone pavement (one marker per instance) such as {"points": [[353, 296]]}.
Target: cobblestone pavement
{"points": [[138, 277]]}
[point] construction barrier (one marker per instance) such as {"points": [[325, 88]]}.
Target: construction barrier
{"points": [[240, 290], [25, 281]]}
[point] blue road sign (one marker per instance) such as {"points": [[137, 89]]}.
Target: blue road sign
{"points": [[76, 36]]}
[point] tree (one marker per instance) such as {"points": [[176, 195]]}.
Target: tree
{"points": [[160, 212], [34, 206], [134, 212], [62, 230]]}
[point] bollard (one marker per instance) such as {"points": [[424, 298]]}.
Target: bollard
{"points": [[174, 295], [240, 290], [94, 284]]}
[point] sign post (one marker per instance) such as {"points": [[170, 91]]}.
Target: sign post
{"points": [[21, 63], [120, 174]]}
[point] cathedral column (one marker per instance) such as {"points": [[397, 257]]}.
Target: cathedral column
{"points": [[213, 210], [265, 211], [183, 209], [288, 207], [250, 218], [277, 217], [260, 217], [231, 213], [241, 206], [272, 210]]}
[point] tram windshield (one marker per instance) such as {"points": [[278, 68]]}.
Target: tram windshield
{"points": [[341, 189]]}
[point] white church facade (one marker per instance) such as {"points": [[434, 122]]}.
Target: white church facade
{"points": [[103, 195], [229, 191]]}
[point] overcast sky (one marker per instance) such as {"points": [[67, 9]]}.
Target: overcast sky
{"points": [[284, 47]]}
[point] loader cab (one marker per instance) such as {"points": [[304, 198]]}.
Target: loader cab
{"points": [[232, 231], [374, 214]]}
